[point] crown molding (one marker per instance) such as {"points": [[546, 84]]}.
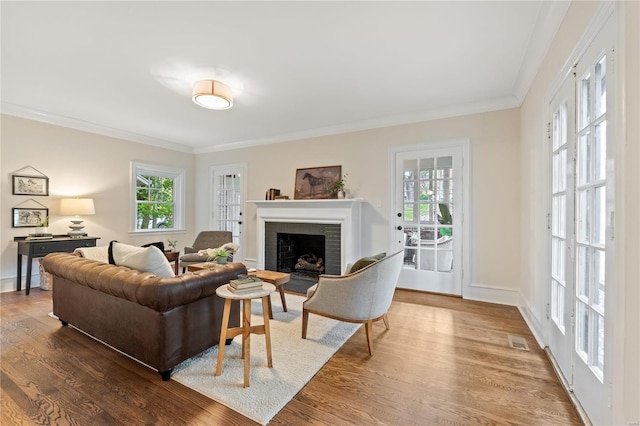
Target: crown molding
{"points": [[85, 126], [505, 102]]}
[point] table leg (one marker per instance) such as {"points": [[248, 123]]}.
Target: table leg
{"points": [[246, 339], [223, 334], [19, 274], [29, 265], [284, 302], [267, 332]]}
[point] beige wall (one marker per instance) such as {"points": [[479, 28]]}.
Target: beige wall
{"points": [[365, 157], [78, 164], [535, 203]]}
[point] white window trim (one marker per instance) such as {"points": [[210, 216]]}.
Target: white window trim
{"points": [[179, 177]]}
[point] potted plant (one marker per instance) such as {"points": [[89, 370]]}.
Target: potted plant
{"points": [[172, 244], [219, 255], [338, 187], [41, 229]]}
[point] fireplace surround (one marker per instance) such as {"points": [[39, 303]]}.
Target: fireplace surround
{"points": [[346, 213]]}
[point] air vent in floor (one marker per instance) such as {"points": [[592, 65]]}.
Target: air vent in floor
{"points": [[518, 342]]}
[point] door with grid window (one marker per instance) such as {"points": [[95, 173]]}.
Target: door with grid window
{"points": [[428, 193], [228, 200], [581, 231]]}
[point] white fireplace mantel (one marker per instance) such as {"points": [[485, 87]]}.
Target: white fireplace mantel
{"points": [[345, 212]]}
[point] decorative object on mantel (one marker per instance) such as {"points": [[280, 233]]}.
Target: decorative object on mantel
{"points": [[338, 187], [29, 183], [76, 207], [316, 182], [271, 194], [26, 217], [282, 197]]}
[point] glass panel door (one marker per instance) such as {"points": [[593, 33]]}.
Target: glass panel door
{"points": [[427, 229], [228, 200], [582, 199]]}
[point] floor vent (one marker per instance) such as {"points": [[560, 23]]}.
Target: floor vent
{"points": [[517, 342]]}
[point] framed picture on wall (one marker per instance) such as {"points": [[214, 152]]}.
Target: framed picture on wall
{"points": [[316, 182], [30, 185], [28, 217]]}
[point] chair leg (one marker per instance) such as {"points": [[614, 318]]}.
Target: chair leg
{"points": [[386, 321], [305, 320], [369, 328]]}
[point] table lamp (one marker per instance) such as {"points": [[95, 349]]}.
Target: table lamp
{"points": [[76, 207]]}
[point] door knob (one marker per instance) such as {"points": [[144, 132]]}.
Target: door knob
{"points": [[399, 228]]}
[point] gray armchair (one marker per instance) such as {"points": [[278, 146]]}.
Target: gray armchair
{"points": [[360, 297], [204, 240]]}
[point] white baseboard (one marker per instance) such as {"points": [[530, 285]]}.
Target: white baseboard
{"points": [[492, 294], [537, 329], [9, 284]]}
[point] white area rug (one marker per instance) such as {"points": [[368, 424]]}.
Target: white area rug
{"points": [[295, 361]]}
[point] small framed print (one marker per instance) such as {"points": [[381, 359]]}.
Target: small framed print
{"points": [[28, 217], [30, 185]]}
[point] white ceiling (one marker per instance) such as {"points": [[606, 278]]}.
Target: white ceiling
{"points": [[298, 69]]}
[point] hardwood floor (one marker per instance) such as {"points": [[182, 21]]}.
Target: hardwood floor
{"points": [[444, 361]]}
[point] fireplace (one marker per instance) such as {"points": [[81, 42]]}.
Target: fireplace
{"points": [[286, 242], [337, 220]]}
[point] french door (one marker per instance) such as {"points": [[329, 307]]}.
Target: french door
{"points": [[582, 199], [428, 204], [228, 202]]}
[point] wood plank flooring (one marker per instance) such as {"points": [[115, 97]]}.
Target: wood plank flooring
{"points": [[444, 361]]}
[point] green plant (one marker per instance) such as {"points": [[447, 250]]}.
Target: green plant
{"points": [[339, 184], [44, 222], [215, 254], [172, 244]]}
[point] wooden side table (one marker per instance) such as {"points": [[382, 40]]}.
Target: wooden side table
{"points": [[276, 278], [173, 256], [246, 329]]}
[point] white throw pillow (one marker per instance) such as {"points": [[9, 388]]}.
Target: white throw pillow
{"points": [[147, 259]]}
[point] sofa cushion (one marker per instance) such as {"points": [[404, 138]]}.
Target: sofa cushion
{"points": [[193, 257], [147, 259], [158, 244], [366, 261], [94, 253]]}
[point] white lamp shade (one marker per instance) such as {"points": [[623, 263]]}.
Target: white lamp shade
{"points": [[77, 206], [212, 94]]}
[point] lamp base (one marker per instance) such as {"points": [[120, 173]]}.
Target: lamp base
{"points": [[76, 229]]}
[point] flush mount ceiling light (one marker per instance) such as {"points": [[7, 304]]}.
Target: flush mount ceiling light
{"points": [[212, 94]]}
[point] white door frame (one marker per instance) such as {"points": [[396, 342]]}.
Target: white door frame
{"points": [[614, 309], [212, 205], [465, 223]]}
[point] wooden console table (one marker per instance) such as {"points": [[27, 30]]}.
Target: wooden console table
{"points": [[40, 248]]}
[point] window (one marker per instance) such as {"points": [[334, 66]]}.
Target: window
{"points": [[158, 198]]}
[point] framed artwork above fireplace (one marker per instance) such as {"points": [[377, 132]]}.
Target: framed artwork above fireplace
{"points": [[316, 182]]}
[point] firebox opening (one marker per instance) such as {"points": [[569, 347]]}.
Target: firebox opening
{"points": [[301, 253]]}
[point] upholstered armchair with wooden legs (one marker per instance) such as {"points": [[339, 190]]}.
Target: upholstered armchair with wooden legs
{"points": [[361, 297], [204, 240]]}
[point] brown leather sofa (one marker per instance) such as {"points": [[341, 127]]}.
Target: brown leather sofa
{"points": [[158, 321]]}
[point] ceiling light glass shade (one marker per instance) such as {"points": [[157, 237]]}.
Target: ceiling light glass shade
{"points": [[212, 94]]}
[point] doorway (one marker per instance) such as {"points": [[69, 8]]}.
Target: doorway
{"points": [[429, 201]]}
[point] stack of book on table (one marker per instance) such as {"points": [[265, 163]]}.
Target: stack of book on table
{"points": [[39, 237], [243, 285]]}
